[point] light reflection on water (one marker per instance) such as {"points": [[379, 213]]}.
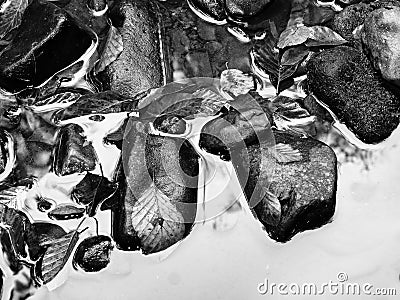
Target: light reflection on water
{"points": [[362, 240]]}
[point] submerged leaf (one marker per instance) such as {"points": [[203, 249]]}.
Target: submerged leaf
{"points": [[294, 56], [289, 115], [60, 98], [271, 208], [46, 232], [11, 12], [279, 67], [100, 103], [284, 153], [293, 36], [203, 100], [156, 220], [323, 36], [236, 82], [159, 191], [113, 48], [56, 255]]}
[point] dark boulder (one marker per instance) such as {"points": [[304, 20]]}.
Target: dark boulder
{"points": [[140, 66], [344, 80], [305, 187], [347, 21], [47, 41], [289, 181]]}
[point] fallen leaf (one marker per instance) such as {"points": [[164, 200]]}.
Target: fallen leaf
{"points": [[11, 16], [56, 256], [294, 35], [160, 184], [294, 56], [60, 98], [284, 153], [288, 115], [235, 82], [100, 103], [323, 36], [271, 208], [277, 65], [113, 48], [197, 96], [157, 221]]}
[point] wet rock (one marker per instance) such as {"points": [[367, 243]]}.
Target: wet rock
{"points": [[93, 253], [349, 19], [47, 41], [344, 80], [211, 10], [74, 154], [156, 164], [305, 188], [139, 67], [381, 35], [289, 180], [245, 8], [234, 129], [346, 22]]}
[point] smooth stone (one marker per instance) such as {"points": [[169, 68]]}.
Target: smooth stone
{"points": [[344, 80], [380, 36], [306, 189], [353, 16]]}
